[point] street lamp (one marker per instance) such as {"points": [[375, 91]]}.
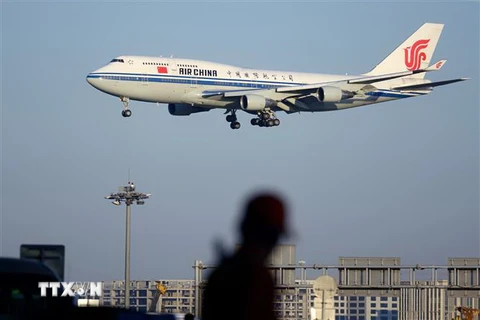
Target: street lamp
{"points": [[128, 195]]}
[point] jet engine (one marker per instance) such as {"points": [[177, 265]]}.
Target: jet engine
{"points": [[254, 102], [183, 109], [333, 94]]}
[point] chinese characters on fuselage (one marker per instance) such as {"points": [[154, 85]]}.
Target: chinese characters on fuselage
{"points": [[214, 73], [256, 75]]}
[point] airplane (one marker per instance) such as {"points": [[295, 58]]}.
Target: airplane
{"points": [[190, 86]]}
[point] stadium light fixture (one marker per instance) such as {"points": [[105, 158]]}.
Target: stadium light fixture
{"points": [[128, 195]]}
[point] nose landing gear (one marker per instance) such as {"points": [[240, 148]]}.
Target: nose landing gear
{"points": [[126, 112]]}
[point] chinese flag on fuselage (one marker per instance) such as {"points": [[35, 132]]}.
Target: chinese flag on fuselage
{"points": [[162, 69]]}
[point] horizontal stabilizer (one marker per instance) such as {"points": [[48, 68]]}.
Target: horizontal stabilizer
{"points": [[436, 66], [427, 86]]}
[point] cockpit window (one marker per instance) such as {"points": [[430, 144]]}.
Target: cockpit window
{"points": [[118, 60]]}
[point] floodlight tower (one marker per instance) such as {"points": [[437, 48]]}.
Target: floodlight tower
{"points": [[128, 195]]}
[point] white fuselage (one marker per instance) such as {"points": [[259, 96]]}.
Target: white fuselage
{"points": [[172, 80]]}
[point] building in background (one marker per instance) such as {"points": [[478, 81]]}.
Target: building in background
{"points": [[147, 296], [366, 308], [429, 302], [358, 288], [325, 291], [309, 300]]}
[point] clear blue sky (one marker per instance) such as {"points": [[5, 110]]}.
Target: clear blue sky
{"points": [[394, 179]]}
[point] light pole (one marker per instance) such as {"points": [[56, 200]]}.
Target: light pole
{"points": [[128, 195], [302, 271]]}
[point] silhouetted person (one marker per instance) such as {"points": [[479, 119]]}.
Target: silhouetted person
{"points": [[241, 288], [189, 316]]}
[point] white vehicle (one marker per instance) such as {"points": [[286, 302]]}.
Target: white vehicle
{"points": [[191, 86]]}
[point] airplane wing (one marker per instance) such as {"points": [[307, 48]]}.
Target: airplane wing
{"points": [[427, 86], [361, 80], [292, 91]]}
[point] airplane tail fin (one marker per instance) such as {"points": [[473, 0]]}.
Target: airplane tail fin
{"points": [[414, 53]]}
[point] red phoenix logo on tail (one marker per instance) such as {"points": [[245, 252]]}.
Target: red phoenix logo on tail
{"points": [[414, 55]]}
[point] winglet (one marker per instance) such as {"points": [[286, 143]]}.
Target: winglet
{"points": [[436, 66]]}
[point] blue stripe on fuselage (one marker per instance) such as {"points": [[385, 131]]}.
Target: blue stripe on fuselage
{"points": [[224, 82], [188, 79]]}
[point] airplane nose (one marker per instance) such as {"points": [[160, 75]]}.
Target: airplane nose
{"points": [[90, 79], [94, 79]]}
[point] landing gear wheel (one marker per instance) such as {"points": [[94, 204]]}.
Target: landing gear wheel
{"points": [[232, 118], [276, 122], [126, 113], [235, 125], [270, 123], [265, 116], [255, 122]]}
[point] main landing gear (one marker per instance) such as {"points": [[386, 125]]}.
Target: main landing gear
{"points": [[126, 112], [232, 118], [266, 118]]}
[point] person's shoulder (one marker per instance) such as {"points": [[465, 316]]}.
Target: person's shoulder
{"points": [[222, 267], [262, 275], [228, 262], [228, 269]]}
